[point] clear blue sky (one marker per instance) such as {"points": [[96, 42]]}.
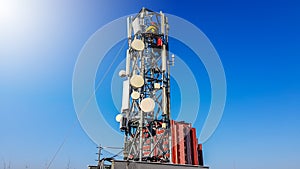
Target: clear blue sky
{"points": [[258, 43]]}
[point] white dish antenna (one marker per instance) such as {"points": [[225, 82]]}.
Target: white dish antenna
{"points": [[138, 45], [135, 95], [137, 81], [147, 105], [122, 73], [119, 117]]}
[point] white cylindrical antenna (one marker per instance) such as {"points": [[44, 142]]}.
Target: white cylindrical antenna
{"points": [[162, 28], [142, 13], [164, 101], [128, 28], [125, 96], [163, 59], [127, 63]]}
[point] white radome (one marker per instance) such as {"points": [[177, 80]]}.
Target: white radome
{"points": [[137, 81], [135, 95], [138, 45], [156, 86], [122, 73], [119, 117], [147, 105]]}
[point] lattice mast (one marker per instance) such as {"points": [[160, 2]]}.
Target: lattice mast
{"points": [[145, 117]]}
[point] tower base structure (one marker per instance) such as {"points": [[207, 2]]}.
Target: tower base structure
{"points": [[186, 153], [115, 164]]}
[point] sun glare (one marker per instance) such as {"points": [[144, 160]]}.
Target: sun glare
{"points": [[7, 11]]}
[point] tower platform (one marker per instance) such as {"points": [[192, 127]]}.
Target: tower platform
{"points": [[116, 164]]}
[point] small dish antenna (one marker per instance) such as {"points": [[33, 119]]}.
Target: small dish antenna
{"points": [[119, 117], [138, 45], [135, 95]]}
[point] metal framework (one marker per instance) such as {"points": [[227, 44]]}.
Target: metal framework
{"points": [[145, 117]]}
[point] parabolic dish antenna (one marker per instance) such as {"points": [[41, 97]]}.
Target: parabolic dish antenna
{"points": [[137, 44], [137, 81], [147, 105], [135, 95]]}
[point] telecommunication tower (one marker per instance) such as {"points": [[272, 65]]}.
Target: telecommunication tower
{"points": [[145, 117], [151, 138]]}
